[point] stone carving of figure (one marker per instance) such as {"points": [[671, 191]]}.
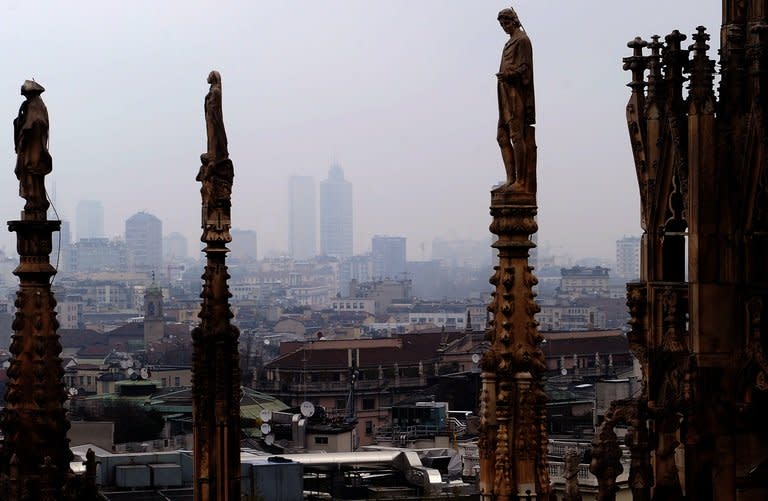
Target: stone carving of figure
{"points": [[606, 459], [214, 120], [216, 170], [33, 162], [516, 98], [571, 475]]}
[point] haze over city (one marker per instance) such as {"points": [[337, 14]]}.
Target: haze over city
{"points": [[401, 94]]}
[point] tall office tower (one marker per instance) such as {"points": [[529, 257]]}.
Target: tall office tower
{"points": [[174, 247], [90, 219], [628, 258], [388, 256], [336, 214], [243, 246], [302, 237], [144, 239]]}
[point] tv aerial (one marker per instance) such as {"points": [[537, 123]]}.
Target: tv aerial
{"points": [[265, 415], [144, 373]]}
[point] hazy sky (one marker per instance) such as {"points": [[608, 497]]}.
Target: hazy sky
{"points": [[401, 93]]}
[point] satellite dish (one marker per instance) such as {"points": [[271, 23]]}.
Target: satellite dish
{"points": [[6, 364], [129, 372], [307, 409], [72, 392], [563, 371], [265, 428], [144, 373], [269, 439], [475, 358], [265, 415], [124, 364]]}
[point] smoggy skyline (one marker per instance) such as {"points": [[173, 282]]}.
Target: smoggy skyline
{"points": [[401, 94]]}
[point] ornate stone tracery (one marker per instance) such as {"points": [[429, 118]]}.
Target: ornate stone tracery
{"points": [[35, 456], [513, 426], [696, 322], [216, 368]]}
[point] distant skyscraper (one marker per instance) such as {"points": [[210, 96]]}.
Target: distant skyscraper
{"points": [[90, 219], [388, 256], [144, 239], [628, 258], [336, 214], [302, 237], [174, 247], [243, 246]]}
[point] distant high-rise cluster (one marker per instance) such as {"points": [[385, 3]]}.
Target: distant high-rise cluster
{"points": [[336, 214], [628, 258], [302, 200], [90, 219], [388, 256], [144, 240]]}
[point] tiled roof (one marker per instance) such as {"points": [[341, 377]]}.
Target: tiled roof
{"points": [[581, 343], [77, 338], [411, 349]]}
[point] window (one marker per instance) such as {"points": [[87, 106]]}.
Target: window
{"points": [[163, 382], [82, 380], [369, 404], [341, 403], [88, 380], [321, 440], [177, 381], [369, 428]]}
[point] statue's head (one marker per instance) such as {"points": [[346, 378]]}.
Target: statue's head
{"points": [[31, 88], [214, 77], [508, 19]]}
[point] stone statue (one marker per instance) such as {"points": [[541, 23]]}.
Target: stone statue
{"points": [[216, 170], [606, 459], [33, 162], [516, 102], [571, 475], [214, 120]]}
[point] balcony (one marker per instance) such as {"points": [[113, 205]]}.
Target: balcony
{"points": [[340, 386]]}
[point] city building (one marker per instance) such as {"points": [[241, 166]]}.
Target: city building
{"points": [[174, 247], [570, 317], [383, 292], [358, 378], [144, 239], [388, 257], [628, 258], [302, 237], [90, 255], [154, 319], [581, 280], [243, 246], [358, 268], [336, 214], [90, 219], [450, 316]]}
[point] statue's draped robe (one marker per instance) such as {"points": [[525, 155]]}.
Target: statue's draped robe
{"points": [[33, 161], [516, 98]]}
